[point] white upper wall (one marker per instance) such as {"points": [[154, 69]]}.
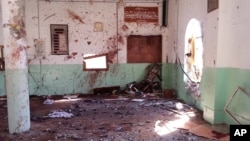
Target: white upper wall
{"points": [[1, 27], [234, 29], [82, 38], [187, 10]]}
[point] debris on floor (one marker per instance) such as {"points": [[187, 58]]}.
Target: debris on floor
{"points": [[112, 118], [148, 84], [59, 114], [107, 90], [48, 101]]}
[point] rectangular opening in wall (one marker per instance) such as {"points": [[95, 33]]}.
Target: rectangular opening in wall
{"points": [[212, 5], [2, 64], [144, 49], [59, 39], [95, 62]]}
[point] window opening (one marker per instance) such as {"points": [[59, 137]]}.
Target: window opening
{"points": [[193, 57], [95, 62], [59, 39]]}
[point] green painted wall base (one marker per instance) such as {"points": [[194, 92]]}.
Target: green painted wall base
{"points": [[217, 85]]}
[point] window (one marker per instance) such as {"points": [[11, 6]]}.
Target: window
{"points": [[59, 39], [95, 62]]}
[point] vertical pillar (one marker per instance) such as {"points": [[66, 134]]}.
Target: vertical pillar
{"points": [[16, 69]]}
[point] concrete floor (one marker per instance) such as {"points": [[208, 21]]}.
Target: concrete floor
{"points": [[113, 118]]}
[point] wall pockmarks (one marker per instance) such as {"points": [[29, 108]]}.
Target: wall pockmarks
{"points": [[73, 54], [111, 45], [74, 16], [89, 42], [125, 27]]}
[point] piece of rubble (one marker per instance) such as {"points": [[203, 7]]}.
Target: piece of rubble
{"points": [[48, 101], [58, 114]]}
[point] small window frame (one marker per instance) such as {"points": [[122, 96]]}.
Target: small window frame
{"points": [[85, 66], [57, 32]]}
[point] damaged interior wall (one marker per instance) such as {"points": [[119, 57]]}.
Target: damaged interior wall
{"points": [[63, 74], [233, 57], [225, 57], [224, 37]]}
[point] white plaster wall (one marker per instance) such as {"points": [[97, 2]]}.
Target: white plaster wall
{"points": [[233, 37], [210, 39], [126, 29], [31, 24], [1, 27], [172, 32], [82, 39], [187, 10]]}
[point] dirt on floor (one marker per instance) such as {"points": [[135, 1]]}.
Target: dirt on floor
{"points": [[110, 118]]}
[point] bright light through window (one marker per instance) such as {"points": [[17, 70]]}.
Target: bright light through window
{"points": [[193, 60], [95, 62]]}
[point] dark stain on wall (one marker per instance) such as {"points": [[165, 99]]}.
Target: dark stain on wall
{"points": [[120, 39], [16, 54], [92, 77], [89, 42], [49, 16], [111, 45], [125, 27], [73, 54], [74, 16]]}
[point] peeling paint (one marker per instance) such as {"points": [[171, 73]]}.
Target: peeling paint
{"points": [[17, 27]]}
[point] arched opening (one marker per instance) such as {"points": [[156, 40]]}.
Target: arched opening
{"points": [[193, 57]]}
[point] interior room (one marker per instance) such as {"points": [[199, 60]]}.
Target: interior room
{"points": [[123, 69]]}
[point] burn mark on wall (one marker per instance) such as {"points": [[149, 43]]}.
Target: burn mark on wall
{"points": [[49, 16], [74, 16], [73, 54]]}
